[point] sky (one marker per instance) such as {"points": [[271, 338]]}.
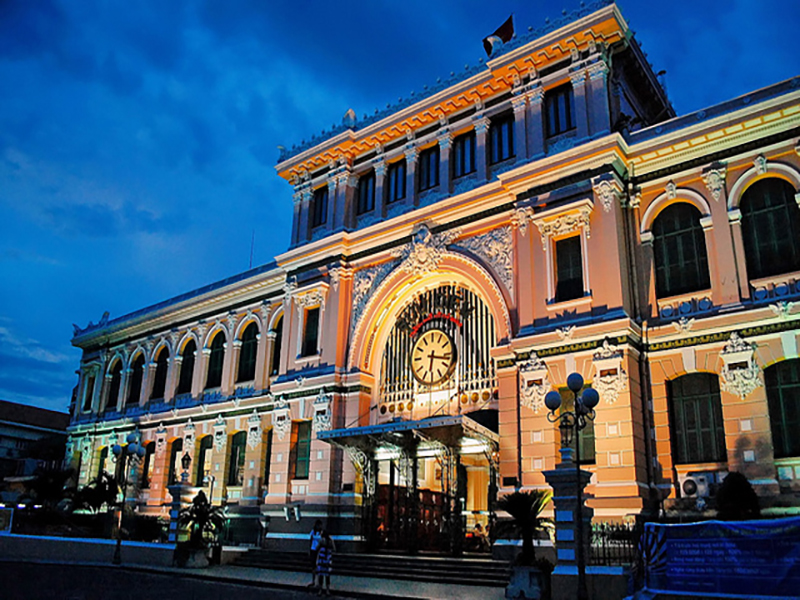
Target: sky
{"points": [[138, 140]]}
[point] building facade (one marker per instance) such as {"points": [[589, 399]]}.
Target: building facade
{"points": [[453, 258]]}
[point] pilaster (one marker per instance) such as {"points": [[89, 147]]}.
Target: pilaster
{"points": [[598, 105], [578, 79], [445, 144], [481, 129], [411, 154], [535, 120], [519, 103]]}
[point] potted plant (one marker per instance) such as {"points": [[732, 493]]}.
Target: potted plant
{"points": [[530, 577], [203, 521]]}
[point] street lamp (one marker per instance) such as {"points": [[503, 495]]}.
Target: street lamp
{"points": [[131, 454], [571, 422], [186, 460]]}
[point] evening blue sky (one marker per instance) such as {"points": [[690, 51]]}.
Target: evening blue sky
{"points": [[138, 140]]}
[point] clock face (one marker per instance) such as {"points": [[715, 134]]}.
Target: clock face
{"points": [[433, 357]]}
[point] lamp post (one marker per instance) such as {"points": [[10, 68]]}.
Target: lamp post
{"points": [[131, 454], [570, 423]]}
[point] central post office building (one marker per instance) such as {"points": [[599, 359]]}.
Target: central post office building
{"points": [[453, 258]]}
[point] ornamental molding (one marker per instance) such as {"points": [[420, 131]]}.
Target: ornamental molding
{"points": [[520, 217], [534, 382], [671, 190], [564, 223], [315, 297], [782, 309], [425, 251], [323, 414], [610, 378], [189, 434], [740, 372], [714, 178], [220, 428], [364, 465], [289, 289], [86, 445], [683, 324], [365, 282], [496, 248], [566, 332], [254, 430], [607, 189], [161, 439], [760, 163], [281, 418]]}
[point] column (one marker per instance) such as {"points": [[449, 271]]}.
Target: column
{"points": [[124, 388], [297, 197], [269, 353], [199, 375], [481, 129], [331, 206], [445, 143], [230, 366], [535, 121], [578, 78], [343, 199], [147, 380], [253, 462], [519, 104], [262, 367], [304, 229], [411, 154], [379, 164], [598, 106], [648, 276], [173, 368], [713, 259], [104, 392], [735, 220]]}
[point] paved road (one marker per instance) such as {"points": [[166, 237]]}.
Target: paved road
{"points": [[24, 581]]}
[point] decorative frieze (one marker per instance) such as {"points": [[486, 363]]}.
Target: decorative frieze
{"points": [[425, 251], [220, 433], [315, 297], [564, 223], [323, 414], [254, 430], [520, 217], [496, 248], [610, 379], [607, 189], [534, 382], [365, 282], [740, 372], [714, 178]]}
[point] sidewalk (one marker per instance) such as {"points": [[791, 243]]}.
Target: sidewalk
{"points": [[366, 588]]}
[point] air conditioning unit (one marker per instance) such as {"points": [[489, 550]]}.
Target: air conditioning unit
{"points": [[701, 484]]}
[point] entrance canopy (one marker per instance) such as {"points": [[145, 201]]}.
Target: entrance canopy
{"points": [[456, 432]]}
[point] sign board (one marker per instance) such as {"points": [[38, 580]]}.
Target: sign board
{"points": [[745, 558]]}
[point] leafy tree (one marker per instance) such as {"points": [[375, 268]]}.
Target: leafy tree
{"points": [[50, 486], [203, 519], [736, 499], [526, 509], [101, 491]]}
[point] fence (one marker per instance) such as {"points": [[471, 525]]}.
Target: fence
{"points": [[614, 544]]}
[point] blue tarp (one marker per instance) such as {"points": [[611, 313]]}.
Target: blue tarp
{"points": [[741, 558]]}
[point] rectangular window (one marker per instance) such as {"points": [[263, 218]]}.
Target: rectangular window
{"points": [[501, 138], [310, 332], [366, 193], [267, 460], [149, 463], [236, 467], [429, 168], [301, 452], [464, 155], [204, 461], [569, 269], [319, 207], [397, 182], [560, 110], [87, 398]]}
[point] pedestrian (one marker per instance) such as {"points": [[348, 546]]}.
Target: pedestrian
{"points": [[324, 562], [316, 536]]}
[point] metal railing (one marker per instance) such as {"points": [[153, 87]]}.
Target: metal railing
{"points": [[614, 544]]}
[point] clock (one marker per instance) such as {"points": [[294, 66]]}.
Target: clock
{"points": [[433, 357]]}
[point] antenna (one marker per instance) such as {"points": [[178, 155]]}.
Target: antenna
{"points": [[252, 245]]}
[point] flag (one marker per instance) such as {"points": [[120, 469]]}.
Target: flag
{"points": [[503, 34]]}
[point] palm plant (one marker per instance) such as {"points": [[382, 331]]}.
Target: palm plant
{"points": [[101, 491], [526, 509], [203, 519]]}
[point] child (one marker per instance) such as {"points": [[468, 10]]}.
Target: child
{"points": [[325, 552]]}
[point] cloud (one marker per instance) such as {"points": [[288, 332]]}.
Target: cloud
{"points": [[26, 350]]}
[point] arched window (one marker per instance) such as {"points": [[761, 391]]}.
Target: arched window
{"points": [[174, 461], [160, 379], [187, 368], [236, 468], [276, 348], [203, 460], [215, 361], [696, 417], [149, 463], [679, 249], [137, 375], [782, 381], [770, 222], [113, 387], [247, 354]]}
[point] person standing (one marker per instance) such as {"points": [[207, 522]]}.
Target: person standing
{"points": [[324, 562], [316, 536]]}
